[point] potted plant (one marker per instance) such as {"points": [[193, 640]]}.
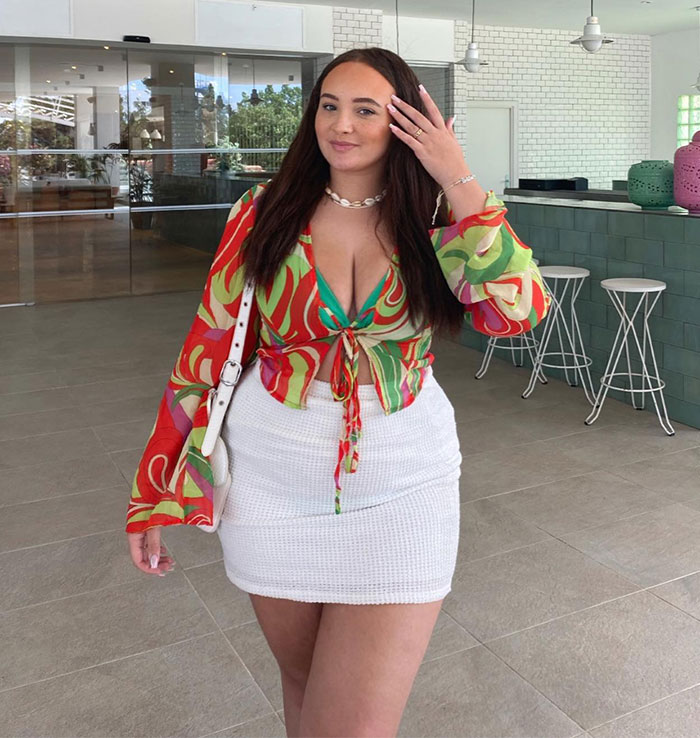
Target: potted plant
{"points": [[140, 194]]}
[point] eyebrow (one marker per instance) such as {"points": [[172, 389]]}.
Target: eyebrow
{"points": [[355, 99]]}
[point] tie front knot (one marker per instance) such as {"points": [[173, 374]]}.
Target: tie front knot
{"points": [[345, 389]]}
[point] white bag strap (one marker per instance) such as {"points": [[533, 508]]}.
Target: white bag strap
{"points": [[220, 396]]}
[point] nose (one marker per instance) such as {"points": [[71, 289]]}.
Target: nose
{"points": [[342, 122]]}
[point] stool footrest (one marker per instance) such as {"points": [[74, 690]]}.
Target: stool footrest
{"points": [[657, 383], [584, 362], [525, 343]]}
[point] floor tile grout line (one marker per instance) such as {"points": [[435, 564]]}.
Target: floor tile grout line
{"points": [[240, 725], [644, 707], [77, 458], [532, 686], [66, 430], [165, 376], [524, 679], [230, 645], [103, 663], [56, 498], [542, 484], [63, 540], [72, 405], [597, 605], [568, 434], [558, 479], [639, 587], [84, 384], [668, 503]]}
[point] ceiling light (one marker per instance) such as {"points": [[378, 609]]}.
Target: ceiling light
{"points": [[592, 40], [471, 58], [106, 47]]}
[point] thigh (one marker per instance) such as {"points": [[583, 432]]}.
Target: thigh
{"points": [[290, 629], [365, 661]]}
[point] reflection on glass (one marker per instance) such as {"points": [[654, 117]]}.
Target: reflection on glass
{"points": [[78, 257], [73, 181], [198, 180], [9, 259], [173, 250], [159, 143], [61, 112]]}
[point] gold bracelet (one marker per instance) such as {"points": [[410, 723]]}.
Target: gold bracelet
{"points": [[468, 178]]}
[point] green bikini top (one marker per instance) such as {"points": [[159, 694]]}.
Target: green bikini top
{"points": [[331, 301]]}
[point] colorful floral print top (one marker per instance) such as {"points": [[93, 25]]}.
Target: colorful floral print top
{"points": [[293, 325]]}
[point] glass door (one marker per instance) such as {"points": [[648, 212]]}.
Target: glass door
{"points": [[10, 290], [70, 197]]}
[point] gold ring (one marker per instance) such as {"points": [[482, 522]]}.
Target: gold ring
{"points": [[418, 132]]}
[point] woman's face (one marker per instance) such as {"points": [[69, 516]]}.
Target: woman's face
{"points": [[352, 110]]}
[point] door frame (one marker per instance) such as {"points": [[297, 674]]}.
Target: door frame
{"points": [[513, 108]]}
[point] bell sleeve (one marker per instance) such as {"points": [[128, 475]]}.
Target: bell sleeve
{"points": [[491, 271], [173, 477]]}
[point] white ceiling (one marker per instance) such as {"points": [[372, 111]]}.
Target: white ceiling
{"points": [[616, 16]]}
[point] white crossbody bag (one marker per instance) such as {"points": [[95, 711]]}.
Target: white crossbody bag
{"points": [[217, 404]]}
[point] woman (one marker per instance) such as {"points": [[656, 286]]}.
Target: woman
{"points": [[342, 522]]}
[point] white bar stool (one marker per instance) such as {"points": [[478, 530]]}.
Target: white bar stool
{"points": [[523, 342], [618, 289], [571, 355]]}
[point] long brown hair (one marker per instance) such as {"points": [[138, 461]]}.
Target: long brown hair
{"points": [[288, 202]]}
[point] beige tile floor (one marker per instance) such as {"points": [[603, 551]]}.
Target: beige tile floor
{"points": [[575, 608]]}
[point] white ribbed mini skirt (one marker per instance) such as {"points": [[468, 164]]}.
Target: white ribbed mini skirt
{"points": [[396, 537]]}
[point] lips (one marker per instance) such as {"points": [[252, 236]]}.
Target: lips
{"points": [[340, 146]]}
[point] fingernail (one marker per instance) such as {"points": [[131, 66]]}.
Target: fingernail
{"points": [[454, 118], [421, 88], [395, 97], [391, 107], [154, 561]]}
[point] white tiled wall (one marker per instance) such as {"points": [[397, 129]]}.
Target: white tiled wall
{"points": [[579, 114], [356, 27]]}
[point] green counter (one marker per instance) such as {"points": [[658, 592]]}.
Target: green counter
{"points": [[621, 240]]}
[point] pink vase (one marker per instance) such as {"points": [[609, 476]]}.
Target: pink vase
{"points": [[686, 180]]}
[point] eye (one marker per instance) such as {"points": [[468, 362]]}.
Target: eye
{"points": [[325, 106]]}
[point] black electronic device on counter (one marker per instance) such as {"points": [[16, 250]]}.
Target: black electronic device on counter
{"points": [[573, 183], [139, 39]]}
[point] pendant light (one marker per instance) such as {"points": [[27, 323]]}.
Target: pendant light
{"points": [[592, 40], [471, 59], [696, 86], [255, 99]]}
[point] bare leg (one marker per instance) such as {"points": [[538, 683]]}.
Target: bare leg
{"points": [[364, 664]]}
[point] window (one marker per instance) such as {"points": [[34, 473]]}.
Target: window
{"points": [[688, 121]]}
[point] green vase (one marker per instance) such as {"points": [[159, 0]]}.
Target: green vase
{"points": [[650, 184]]}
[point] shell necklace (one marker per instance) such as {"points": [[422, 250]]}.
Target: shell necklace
{"points": [[366, 203]]}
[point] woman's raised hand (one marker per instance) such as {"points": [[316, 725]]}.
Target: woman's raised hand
{"points": [[436, 147]]}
